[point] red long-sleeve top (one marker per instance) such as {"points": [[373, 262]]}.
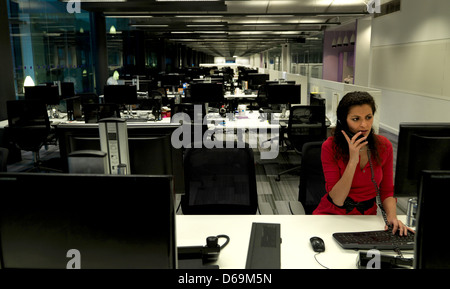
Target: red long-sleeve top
{"points": [[362, 187]]}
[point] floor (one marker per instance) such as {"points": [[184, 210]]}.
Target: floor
{"points": [[274, 197]]}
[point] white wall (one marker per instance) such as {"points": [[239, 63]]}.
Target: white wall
{"points": [[410, 63], [333, 92]]}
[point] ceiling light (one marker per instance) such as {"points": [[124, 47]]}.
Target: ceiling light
{"points": [[205, 25], [189, 0], [345, 41], [149, 25]]}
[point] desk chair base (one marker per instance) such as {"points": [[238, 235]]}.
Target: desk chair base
{"points": [[286, 171], [38, 166]]}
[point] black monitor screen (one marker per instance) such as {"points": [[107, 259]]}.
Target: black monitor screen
{"points": [[49, 94], [94, 112], [67, 89], [432, 207], [120, 94], [283, 93], [256, 79], [421, 146], [109, 220], [173, 79], [207, 92]]}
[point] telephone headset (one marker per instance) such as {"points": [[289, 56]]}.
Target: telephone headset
{"points": [[348, 132], [208, 253]]}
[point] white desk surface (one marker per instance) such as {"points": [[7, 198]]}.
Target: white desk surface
{"points": [[240, 95], [296, 230], [251, 120]]}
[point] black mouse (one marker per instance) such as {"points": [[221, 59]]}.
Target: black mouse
{"points": [[317, 244]]}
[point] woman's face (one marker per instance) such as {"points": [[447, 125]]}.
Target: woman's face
{"points": [[360, 119]]}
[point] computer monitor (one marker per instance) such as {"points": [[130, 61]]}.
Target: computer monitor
{"points": [[256, 79], [207, 92], [431, 210], [150, 148], [316, 100], [283, 93], [67, 89], [172, 79], [421, 146], [88, 222], [49, 94], [94, 112], [120, 94]]}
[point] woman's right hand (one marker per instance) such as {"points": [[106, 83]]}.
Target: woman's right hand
{"points": [[355, 145]]}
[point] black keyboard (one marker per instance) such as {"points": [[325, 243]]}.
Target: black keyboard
{"points": [[381, 240]]}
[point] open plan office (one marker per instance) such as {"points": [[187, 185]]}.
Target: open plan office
{"points": [[190, 134]]}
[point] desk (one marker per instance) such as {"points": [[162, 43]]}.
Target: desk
{"points": [[296, 230], [228, 95], [250, 120]]}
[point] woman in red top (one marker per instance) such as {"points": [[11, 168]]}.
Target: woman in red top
{"points": [[347, 169]]}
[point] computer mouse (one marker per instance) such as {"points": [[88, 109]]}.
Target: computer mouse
{"points": [[317, 244]]}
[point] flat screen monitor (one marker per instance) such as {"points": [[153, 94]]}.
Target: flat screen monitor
{"points": [[256, 79], [67, 89], [207, 92], [421, 146], [120, 94], [150, 148], [432, 207], [49, 94], [89, 222], [283, 93], [172, 79], [316, 100], [94, 112]]}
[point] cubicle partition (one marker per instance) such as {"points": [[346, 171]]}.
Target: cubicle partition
{"points": [[150, 149]]}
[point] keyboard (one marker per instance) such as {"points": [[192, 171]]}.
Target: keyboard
{"points": [[381, 240]]}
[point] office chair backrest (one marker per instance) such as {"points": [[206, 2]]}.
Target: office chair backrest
{"points": [[3, 159], [312, 180], [306, 124], [220, 180], [28, 123]]}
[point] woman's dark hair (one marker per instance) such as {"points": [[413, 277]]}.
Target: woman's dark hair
{"points": [[349, 100]]}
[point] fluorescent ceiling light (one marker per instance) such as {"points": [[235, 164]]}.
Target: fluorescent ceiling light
{"points": [[269, 15], [205, 25], [149, 25], [198, 16], [188, 0]]}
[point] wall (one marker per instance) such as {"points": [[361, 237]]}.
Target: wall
{"points": [[333, 64], [362, 51], [333, 92], [410, 62]]}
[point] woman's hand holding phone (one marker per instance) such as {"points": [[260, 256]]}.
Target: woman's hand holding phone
{"points": [[355, 142]]}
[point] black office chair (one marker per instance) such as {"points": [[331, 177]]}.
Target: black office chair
{"points": [[261, 98], [3, 159], [312, 179], [29, 128], [306, 124], [220, 181]]}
